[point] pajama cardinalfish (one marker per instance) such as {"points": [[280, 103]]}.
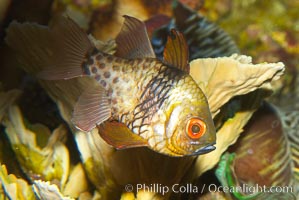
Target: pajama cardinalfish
{"points": [[137, 100]]}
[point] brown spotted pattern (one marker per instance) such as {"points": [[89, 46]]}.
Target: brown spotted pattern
{"points": [[134, 100]]}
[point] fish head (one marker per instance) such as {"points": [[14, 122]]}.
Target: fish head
{"points": [[194, 133], [187, 127]]}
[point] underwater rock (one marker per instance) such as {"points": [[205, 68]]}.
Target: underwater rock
{"points": [[204, 38], [262, 152], [40, 154], [14, 188], [260, 159], [268, 35], [77, 175], [93, 15], [225, 77], [45, 190], [251, 191], [4, 6], [6, 99], [290, 122]]}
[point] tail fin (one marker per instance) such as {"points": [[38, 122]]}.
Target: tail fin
{"points": [[57, 51]]}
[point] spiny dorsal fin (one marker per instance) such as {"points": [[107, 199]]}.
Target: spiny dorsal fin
{"points": [[132, 41], [120, 136], [176, 51], [92, 108]]}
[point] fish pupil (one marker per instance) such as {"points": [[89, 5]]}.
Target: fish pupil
{"points": [[195, 129]]}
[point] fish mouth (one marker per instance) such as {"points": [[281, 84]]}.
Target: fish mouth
{"points": [[204, 150]]}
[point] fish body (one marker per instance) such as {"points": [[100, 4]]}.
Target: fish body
{"points": [[144, 93], [138, 100]]}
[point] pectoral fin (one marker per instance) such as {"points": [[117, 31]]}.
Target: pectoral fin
{"points": [[92, 108], [120, 136], [132, 41], [176, 51]]}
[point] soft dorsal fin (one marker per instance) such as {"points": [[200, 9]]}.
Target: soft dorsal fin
{"points": [[120, 136], [92, 108], [176, 51], [132, 40]]}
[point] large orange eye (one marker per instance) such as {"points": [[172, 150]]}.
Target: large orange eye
{"points": [[195, 128]]}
